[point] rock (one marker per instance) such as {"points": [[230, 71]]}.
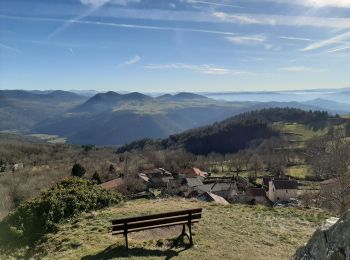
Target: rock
{"points": [[329, 222], [330, 242], [17, 166]]}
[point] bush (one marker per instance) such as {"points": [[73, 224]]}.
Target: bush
{"points": [[96, 178], [32, 219], [78, 170]]}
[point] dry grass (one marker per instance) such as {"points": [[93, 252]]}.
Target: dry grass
{"points": [[225, 232]]}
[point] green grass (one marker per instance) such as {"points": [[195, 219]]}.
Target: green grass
{"points": [[225, 232], [299, 171], [299, 132]]}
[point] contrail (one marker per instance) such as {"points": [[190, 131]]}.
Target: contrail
{"points": [[120, 25], [68, 23]]}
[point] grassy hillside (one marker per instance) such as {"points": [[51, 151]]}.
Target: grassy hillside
{"points": [[225, 232], [300, 132], [238, 132]]}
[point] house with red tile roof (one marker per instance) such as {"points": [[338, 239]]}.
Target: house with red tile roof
{"points": [[194, 172], [113, 184], [211, 197]]}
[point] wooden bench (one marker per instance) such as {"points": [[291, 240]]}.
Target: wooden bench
{"points": [[134, 224]]}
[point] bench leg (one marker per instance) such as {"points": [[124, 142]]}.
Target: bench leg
{"points": [[190, 230], [126, 241], [184, 234], [183, 230]]}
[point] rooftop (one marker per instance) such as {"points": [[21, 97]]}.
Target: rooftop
{"points": [[211, 197], [258, 192], [285, 184], [193, 182], [112, 184]]}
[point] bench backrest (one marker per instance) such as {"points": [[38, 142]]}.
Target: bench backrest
{"points": [[134, 224]]}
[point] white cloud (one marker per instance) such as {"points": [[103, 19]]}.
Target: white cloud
{"points": [[251, 40], [204, 68], [300, 69], [316, 3], [212, 3], [103, 2], [8, 48], [334, 40], [342, 48], [131, 61], [247, 40], [282, 20], [94, 2], [323, 3], [296, 39], [234, 18]]}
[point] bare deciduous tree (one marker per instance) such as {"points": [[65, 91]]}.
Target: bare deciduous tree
{"points": [[332, 162]]}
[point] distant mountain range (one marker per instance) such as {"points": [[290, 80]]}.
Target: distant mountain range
{"points": [[114, 119], [21, 110], [341, 95]]}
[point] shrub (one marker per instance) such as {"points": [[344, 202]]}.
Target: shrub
{"points": [[32, 219], [96, 178], [78, 170]]}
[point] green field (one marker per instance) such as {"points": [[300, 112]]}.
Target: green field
{"points": [[299, 132], [299, 171], [225, 232]]}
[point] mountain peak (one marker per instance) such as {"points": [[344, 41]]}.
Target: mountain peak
{"points": [[106, 101], [188, 95], [136, 96], [181, 96]]}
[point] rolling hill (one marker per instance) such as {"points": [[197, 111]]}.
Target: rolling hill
{"points": [[21, 110], [115, 119], [235, 133]]}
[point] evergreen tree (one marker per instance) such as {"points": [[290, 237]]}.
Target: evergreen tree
{"points": [[111, 169], [347, 128], [96, 178], [78, 170]]}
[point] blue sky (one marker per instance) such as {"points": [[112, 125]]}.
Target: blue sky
{"points": [[174, 45]]}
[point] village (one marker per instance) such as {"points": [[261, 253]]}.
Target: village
{"points": [[195, 183], [228, 188]]}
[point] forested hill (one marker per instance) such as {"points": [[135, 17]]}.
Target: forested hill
{"points": [[235, 133]]}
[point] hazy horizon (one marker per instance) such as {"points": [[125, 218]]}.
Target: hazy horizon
{"points": [[121, 91]]}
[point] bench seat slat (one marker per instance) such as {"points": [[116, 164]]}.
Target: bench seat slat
{"points": [[154, 227], [158, 221], [156, 216]]}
